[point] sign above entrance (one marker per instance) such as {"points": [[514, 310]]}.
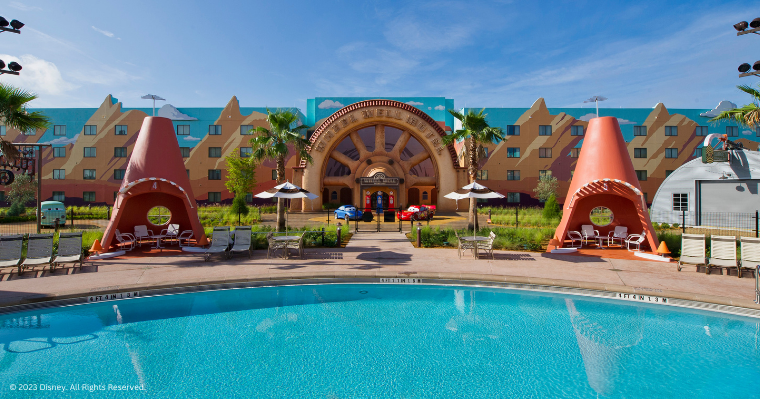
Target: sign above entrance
{"points": [[380, 179]]}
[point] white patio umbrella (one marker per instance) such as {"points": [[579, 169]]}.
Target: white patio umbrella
{"points": [[473, 190], [286, 190]]}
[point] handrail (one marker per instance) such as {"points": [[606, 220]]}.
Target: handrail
{"points": [[757, 284]]}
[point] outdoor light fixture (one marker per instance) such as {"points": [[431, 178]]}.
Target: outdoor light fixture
{"points": [[2, 64], [741, 26], [16, 24], [755, 23], [14, 66], [3, 22], [744, 67], [756, 66]]}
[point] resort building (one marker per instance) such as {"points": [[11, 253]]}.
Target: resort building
{"points": [[365, 146]]}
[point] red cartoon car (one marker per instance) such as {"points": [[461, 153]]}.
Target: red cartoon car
{"points": [[417, 212]]}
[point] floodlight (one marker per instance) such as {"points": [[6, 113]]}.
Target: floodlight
{"points": [[16, 24], [14, 66], [744, 67], [741, 26], [2, 64], [3, 22], [756, 66], [755, 23]]}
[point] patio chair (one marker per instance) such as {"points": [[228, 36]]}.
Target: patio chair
{"points": [[692, 250], [487, 246], [171, 232], [125, 240], [274, 245], [464, 245], [619, 234], [242, 240], [750, 254], [69, 249], [575, 236], [142, 233], [589, 233], [39, 251], [722, 253], [184, 238], [635, 240], [297, 245], [220, 242], [11, 249]]}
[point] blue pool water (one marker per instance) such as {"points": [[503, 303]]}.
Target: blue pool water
{"points": [[369, 341]]}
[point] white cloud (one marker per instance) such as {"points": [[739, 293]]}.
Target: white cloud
{"points": [[171, 112], [23, 7], [440, 108], [414, 103], [104, 32], [622, 121], [327, 104], [37, 75], [722, 106], [64, 140], [191, 138], [430, 108], [747, 132]]}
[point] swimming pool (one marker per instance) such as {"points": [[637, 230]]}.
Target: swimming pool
{"points": [[369, 340]]}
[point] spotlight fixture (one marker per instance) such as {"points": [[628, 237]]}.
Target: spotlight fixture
{"points": [[741, 26], [3, 22], [2, 64], [755, 23], [14, 66], [756, 66], [16, 24], [744, 67]]}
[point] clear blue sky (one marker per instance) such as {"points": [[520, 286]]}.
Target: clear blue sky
{"points": [[482, 54]]}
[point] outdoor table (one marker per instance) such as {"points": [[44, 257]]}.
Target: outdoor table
{"points": [[286, 239], [600, 244], [158, 238], [475, 239]]}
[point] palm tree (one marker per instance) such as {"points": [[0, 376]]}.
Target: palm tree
{"points": [[476, 132], [748, 115], [273, 144], [14, 115]]}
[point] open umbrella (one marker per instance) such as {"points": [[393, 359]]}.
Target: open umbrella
{"points": [[473, 190], [286, 190]]}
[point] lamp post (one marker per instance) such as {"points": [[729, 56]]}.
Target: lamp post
{"points": [[16, 25], [744, 28], [596, 100]]}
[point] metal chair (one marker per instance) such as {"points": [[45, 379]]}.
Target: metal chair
{"points": [[185, 237], [11, 250], [692, 250], [171, 232], [297, 245], [589, 233], [722, 253], [575, 236], [487, 246], [463, 245], [69, 249], [242, 240], [750, 254], [39, 251], [274, 245], [125, 240], [619, 234], [220, 242], [142, 233], [635, 240]]}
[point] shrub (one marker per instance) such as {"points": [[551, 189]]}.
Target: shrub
{"points": [[675, 225], [16, 209], [664, 226], [551, 208], [239, 206]]}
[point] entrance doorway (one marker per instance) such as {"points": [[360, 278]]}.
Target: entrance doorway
{"points": [[385, 199]]}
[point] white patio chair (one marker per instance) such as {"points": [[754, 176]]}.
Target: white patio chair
{"points": [[619, 234], [142, 233], [171, 232], [722, 253], [589, 233], [184, 238], [297, 245], [69, 249], [463, 245], [242, 240], [635, 240], [274, 245], [487, 246], [575, 236], [692, 250], [750, 254], [125, 240], [39, 251]]}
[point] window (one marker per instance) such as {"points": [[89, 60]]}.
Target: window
{"points": [[245, 130], [245, 152], [88, 196], [89, 174], [757, 132], [513, 130], [680, 202], [698, 152], [641, 175], [646, 197], [2, 196], [249, 197], [701, 131], [215, 174], [513, 152], [118, 174], [482, 175], [183, 130], [732, 131], [90, 152], [274, 174], [120, 152], [424, 195], [2, 130], [639, 130], [575, 152], [545, 130], [185, 152], [59, 152], [671, 153], [513, 175], [121, 130], [576, 130], [30, 132], [485, 152], [544, 152], [334, 196], [544, 173], [639, 152], [671, 130], [59, 174], [513, 197], [215, 130], [215, 152], [90, 130], [59, 130], [214, 196], [669, 172], [59, 196]]}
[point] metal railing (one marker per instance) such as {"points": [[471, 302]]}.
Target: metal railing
{"points": [[709, 223], [757, 284]]}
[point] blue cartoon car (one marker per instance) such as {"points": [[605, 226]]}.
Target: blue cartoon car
{"points": [[348, 212]]}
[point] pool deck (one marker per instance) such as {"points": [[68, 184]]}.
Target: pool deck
{"points": [[378, 255]]}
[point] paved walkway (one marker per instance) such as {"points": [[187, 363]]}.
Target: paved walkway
{"points": [[382, 255]]}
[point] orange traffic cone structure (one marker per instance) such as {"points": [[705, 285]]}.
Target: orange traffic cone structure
{"points": [[663, 249], [96, 248]]}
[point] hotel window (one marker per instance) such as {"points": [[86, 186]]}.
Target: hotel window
{"points": [[59, 152], [274, 174], [121, 130], [90, 130], [513, 175], [680, 202], [482, 175], [215, 152], [215, 174], [544, 152], [544, 173], [185, 152], [639, 152], [575, 152], [545, 130], [639, 130], [732, 131], [424, 195], [641, 175], [245, 130], [757, 132], [183, 130], [671, 153], [59, 174], [2, 130], [513, 152], [701, 131], [698, 152], [118, 174], [30, 132], [215, 130], [88, 196], [59, 196], [671, 130], [89, 174], [334, 196], [214, 196], [249, 197], [485, 152], [2, 196], [669, 172], [90, 152], [59, 130], [513, 197], [513, 130], [576, 131], [120, 152], [245, 152]]}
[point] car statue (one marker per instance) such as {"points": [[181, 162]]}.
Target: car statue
{"points": [[417, 212], [348, 212]]}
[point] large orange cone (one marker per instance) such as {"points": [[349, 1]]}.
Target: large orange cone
{"points": [[96, 248], [663, 249]]}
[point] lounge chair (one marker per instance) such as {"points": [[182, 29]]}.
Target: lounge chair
{"points": [[588, 232], [171, 232], [487, 246], [39, 251], [220, 242], [11, 249], [184, 238], [142, 233], [463, 245], [722, 253], [125, 240], [574, 237], [750, 254], [69, 249], [297, 245], [242, 240], [619, 234], [692, 250]]}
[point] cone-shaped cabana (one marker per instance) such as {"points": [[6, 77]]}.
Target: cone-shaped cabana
{"points": [[604, 176], [155, 176]]}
